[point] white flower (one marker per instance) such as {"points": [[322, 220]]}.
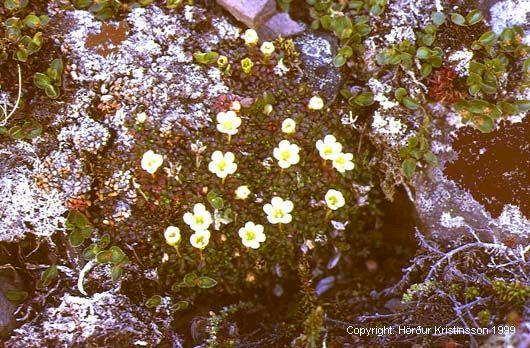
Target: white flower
{"points": [[267, 48], [141, 117], [251, 37], [267, 109], [286, 154], [200, 239], [235, 105], [201, 218], [252, 235], [280, 69], [329, 148], [334, 199], [343, 162], [228, 122], [151, 161], [288, 126], [278, 211], [222, 164], [172, 235], [242, 192], [315, 103]]}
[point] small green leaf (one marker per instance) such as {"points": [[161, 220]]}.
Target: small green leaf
{"points": [[191, 279], [21, 55], [153, 301], [483, 123], [474, 17], [77, 219], [206, 282], [426, 69], [90, 252], [400, 93], [487, 38], [49, 275], [16, 132], [423, 53], [51, 91], [104, 241], [16, 296], [339, 60], [77, 237], [474, 89], [32, 21], [180, 305], [206, 58], [57, 66], [408, 167], [364, 99], [32, 129], [438, 18], [410, 103], [104, 256], [326, 22], [82, 3], [430, 158], [458, 19], [117, 255], [116, 273]]}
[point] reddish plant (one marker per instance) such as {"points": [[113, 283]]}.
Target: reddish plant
{"points": [[443, 87]]}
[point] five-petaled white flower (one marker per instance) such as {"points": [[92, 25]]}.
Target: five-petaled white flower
{"points": [[343, 162], [329, 148], [242, 192], [172, 235], [201, 218], [278, 211], [286, 154], [151, 161], [288, 126], [222, 164], [200, 239], [334, 199], [315, 103], [251, 37], [267, 48], [228, 122], [252, 235]]}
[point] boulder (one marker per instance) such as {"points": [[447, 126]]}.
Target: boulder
{"points": [[317, 50], [251, 12], [281, 24], [7, 308]]}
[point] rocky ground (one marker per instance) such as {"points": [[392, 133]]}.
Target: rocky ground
{"points": [[84, 259]]}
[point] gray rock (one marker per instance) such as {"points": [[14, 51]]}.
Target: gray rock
{"points": [[7, 308], [251, 12], [507, 13], [104, 320], [278, 25], [317, 50], [448, 209]]}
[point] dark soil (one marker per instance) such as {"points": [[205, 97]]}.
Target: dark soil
{"points": [[108, 39], [493, 167]]}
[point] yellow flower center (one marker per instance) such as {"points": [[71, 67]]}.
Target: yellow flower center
{"points": [[250, 235], [278, 213], [332, 200], [222, 165], [340, 160], [228, 124], [200, 240], [328, 150], [199, 220], [285, 155]]}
